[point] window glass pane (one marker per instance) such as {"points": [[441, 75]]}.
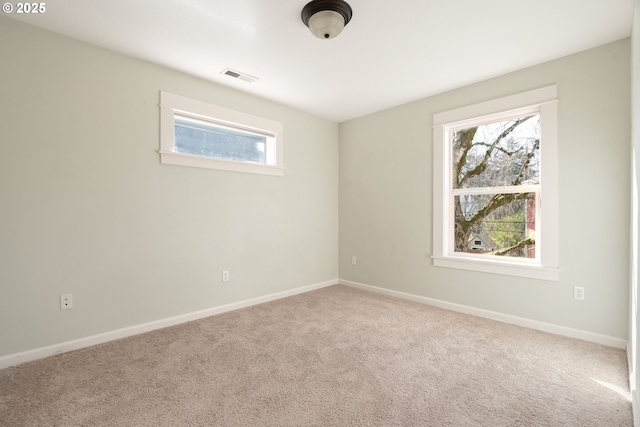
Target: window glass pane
{"points": [[204, 138], [505, 153], [495, 224]]}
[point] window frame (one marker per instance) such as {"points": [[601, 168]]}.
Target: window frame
{"points": [[172, 105], [541, 101]]}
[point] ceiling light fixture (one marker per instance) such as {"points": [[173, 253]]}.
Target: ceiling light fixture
{"points": [[326, 18]]}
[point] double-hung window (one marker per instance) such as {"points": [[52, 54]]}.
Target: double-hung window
{"points": [[195, 133], [495, 186]]}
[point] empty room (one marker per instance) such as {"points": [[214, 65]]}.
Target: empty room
{"points": [[319, 213]]}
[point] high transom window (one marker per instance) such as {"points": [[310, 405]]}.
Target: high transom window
{"points": [[211, 139], [195, 133]]}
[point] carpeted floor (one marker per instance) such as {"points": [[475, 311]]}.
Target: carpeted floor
{"points": [[333, 357]]}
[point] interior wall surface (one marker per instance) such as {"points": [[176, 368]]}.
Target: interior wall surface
{"points": [[634, 322], [86, 208], [386, 201]]}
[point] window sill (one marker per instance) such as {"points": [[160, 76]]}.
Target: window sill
{"points": [[182, 159], [499, 267]]}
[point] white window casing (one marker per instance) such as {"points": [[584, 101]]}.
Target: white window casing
{"points": [[544, 266], [172, 105]]}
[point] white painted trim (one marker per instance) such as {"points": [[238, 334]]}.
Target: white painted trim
{"points": [[493, 315], [503, 106], [546, 263], [633, 394], [465, 262], [52, 350], [182, 159]]}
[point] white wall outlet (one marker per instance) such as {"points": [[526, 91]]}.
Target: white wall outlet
{"points": [[354, 260], [578, 292], [225, 276], [66, 301]]}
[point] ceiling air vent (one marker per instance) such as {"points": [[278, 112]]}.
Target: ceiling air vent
{"points": [[238, 75]]}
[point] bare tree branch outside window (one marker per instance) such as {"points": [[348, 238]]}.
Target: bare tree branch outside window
{"points": [[501, 154]]}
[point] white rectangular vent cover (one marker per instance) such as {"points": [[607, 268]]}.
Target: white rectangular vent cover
{"points": [[238, 75]]}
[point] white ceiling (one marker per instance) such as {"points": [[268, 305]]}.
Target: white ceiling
{"points": [[392, 52]]}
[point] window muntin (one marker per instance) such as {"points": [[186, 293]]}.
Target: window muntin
{"points": [[537, 186], [195, 133]]}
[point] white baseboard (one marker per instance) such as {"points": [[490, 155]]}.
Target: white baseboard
{"points": [[632, 387], [520, 321], [40, 353]]}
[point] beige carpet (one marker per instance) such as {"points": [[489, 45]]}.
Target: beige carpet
{"points": [[333, 357]]}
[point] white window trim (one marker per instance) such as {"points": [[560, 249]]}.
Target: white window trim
{"points": [[545, 267], [171, 104]]}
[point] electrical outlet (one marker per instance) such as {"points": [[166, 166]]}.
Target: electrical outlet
{"points": [[66, 301], [354, 260], [578, 292], [225, 276]]}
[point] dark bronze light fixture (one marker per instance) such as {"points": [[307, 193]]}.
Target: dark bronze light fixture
{"points": [[326, 18]]}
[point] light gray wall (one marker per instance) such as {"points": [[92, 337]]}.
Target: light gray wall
{"points": [[86, 207], [634, 321], [386, 197]]}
